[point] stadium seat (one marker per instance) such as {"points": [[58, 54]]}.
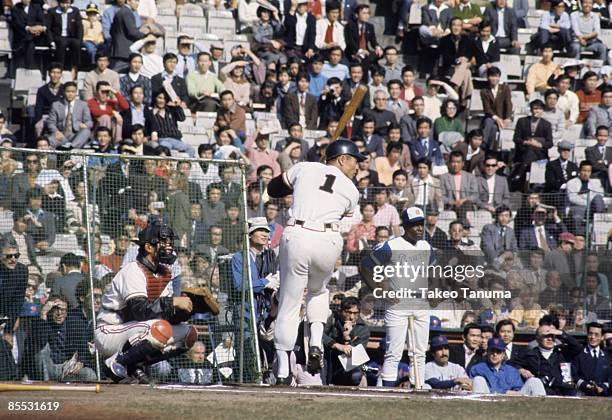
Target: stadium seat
{"points": [[26, 79], [476, 106], [478, 219], [519, 103], [512, 65], [48, 263], [6, 221], [537, 172], [606, 37], [222, 24], [64, 243], [506, 139]]}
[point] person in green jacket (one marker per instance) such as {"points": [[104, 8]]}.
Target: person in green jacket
{"points": [[469, 13], [449, 121]]}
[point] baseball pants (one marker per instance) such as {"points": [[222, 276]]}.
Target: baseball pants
{"points": [[307, 261], [396, 328], [532, 387], [110, 339]]}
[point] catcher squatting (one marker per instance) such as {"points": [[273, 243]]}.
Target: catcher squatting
{"points": [[140, 322]]}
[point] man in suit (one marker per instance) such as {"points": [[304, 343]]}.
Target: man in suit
{"points": [[543, 233], [330, 32], [169, 75], [498, 237], [505, 330], [381, 116], [504, 25], [459, 188], [69, 121], [300, 106], [230, 189], [435, 22], [424, 185], [497, 106], [197, 230], [138, 113], [395, 104], [408, 121], [21, 239], [349, 86], [29, 30], [70, 267], [558, 173], [562, 260], [469, 354], [41, 223], [591, 369], [423, 146], [555, 292], [600, 156], [533, 138], [361, 44], [45, 96], [67, 31], [472, 151], [584, 193], [212, 247], [600, 115], [301, 31], [124, 33], [493, 189], [456, 52], [374, 143]]}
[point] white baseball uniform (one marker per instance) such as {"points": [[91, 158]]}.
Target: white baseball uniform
{"points": [[113, 330], [310, 244], [389, 253]]}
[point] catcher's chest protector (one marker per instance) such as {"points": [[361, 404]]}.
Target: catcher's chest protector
{"points": [[155, 283]]}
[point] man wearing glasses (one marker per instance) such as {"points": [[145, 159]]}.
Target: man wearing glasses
{"points": [[13, 283]]}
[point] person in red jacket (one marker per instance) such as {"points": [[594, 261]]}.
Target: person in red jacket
{"points": [[105, 108]]}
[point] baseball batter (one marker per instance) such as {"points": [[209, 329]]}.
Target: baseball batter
{"points": [[140, 322], [408, 249], [322, 195]]}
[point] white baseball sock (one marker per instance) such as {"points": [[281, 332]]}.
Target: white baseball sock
{"points": [[316, 334], [282, 358]]}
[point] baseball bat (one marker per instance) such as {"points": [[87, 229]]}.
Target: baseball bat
{"points": [[350, 109], [417, 376], [40, 387]]}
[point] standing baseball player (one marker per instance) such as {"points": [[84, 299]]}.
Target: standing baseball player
{"points": [[141, 323], [322, 195], [408, 249]]}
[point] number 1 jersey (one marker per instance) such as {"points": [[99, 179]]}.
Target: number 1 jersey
{"points": [[321, 193]]}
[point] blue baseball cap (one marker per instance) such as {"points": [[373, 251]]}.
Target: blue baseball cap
{"points": [[412, 215], [439, 341], [496, 343]]}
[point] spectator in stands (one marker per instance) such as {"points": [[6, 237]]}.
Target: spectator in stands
{"points": [[433, 234], [558, 173], [472, 151], [261, 154], [343, 331], [544, 232], [331, 105], [433, 99], [30, 29], [197, 230], [534, 274], [361, 43], [300, 106], [267, 34], [363, 170], [374, 142], [408, 121], [123, 33], [591, 367], [470, 15], [152, 63], [556, 29], [449, 120], [555, 292], [106, 107], [587, 28], [166, 116], [552, 114], [47, 94], [169, 74], [459, 188], [138, 113], [547, 361], [568, 102], [66, 29], [600, 156], [600, 115], [100, 73], [333, 67], [300, 31], [134, 77], [69, 120], [93, 38], [583, 188], [469, 354], [399, 107], [595, 302], [350, 85], [317, 80], [329, 31], [589, 96], [504, 25], [291, 155], [362, 235], [498, 238], [410, 90], [41, 224], [388, 164], [486, 50], [203, 86], [497, 105], [493, 188], [178, 206], [496, 376], [562, 261], [423, 146], [377, 78], [532, 139], [70, 267], [540, 72], [187, 61], [456, 53], [393, 70], [435, 22], [379, 114], [22, 240], [236, 82], [386, 214]]}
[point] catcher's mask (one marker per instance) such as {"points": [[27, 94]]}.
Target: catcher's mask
{"points": [[159, 234]]}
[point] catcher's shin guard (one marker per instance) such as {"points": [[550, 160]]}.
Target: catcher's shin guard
{"points": [[140, 354]]}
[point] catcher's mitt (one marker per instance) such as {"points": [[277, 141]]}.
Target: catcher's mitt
{"points": [[202, 299]]}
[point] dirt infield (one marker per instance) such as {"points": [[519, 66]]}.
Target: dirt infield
{"points": [[142, 402]]}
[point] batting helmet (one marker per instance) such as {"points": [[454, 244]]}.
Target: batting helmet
{"points": [[343, 147]]}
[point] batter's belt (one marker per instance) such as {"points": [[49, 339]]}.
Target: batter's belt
{"points": [[316, 226]]}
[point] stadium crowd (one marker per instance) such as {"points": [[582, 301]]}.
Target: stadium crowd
{"points": [[513, 171]]}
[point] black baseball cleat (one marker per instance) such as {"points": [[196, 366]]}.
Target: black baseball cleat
{"points": [[141, 377], [288, 381], [315, 360]]}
